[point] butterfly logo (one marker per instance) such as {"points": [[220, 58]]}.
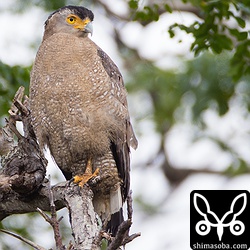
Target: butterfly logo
{"points": [[203, 227]]}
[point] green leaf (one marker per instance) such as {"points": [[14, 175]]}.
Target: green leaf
{"points": [[226, 42], [104, 244], [11, 77], [240, 21], [216, 47], [171, 33], [133, 4], [168, 8], [239, 35], [240, 62], [148, 14]]}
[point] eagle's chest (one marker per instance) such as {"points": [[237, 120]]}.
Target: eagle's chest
{"points": [[71, 96]]}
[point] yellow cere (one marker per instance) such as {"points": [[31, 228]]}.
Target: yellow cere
{"points": [[77, 22]]}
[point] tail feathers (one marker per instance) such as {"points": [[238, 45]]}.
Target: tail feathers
{"points": [[115, 221], [115, 211], [110, 208]]}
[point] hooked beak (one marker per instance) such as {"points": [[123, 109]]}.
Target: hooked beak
{"points": [[89, 28]]}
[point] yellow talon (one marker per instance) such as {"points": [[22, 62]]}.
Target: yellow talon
{"points": [[83, 179]]}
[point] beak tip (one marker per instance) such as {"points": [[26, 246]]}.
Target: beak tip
{"points": [[89, 28]]}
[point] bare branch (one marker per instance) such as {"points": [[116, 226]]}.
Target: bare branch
{"points": [[12, 203], [53, 221], [45, 216], [25, 164], [36, 246], [121, 234], [18, 97], [130, 238], [83, 218]]}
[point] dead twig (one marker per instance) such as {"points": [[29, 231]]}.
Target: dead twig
{"points": [[121, 235], [130, 238], [53, 221]]}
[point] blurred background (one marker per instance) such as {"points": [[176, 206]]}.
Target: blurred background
{"points": [[186, 68]]}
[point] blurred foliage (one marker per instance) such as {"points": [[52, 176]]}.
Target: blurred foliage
{"points": [[147, 208], [11, 77], [17, 224], [47, 5], [211, 32], [202, 84], [185, 95], [213, 29]]}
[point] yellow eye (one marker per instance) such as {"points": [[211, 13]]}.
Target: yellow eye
{"points": [[71, 19]]}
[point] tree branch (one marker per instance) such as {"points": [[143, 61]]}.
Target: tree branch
{"points": [[83, 219], [53, 221], [13, 203], [36, 246], [24, 164]]}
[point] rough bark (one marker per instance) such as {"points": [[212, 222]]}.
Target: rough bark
{"points": [[83, 219]]}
